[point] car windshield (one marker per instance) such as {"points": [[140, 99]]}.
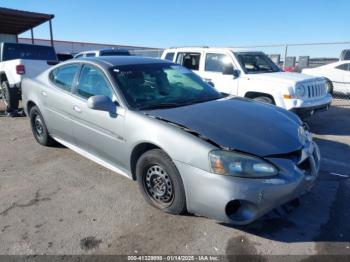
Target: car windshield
{"points": [[153, 86], [256, 63]]}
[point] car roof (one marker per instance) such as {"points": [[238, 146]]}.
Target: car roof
{"points": [[111, 61]]}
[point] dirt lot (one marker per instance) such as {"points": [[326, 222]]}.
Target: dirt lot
{"points": [[54, 201]]}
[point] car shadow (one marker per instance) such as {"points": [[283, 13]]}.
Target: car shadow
{"points": [[339, 114], [324, 212]]}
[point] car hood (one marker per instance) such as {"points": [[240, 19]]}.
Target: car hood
{"points": [[285, 77], [238, 124]]}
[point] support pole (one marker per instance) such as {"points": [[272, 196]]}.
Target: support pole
{"points": [[32, 34], [51, 34], [285, 55]]}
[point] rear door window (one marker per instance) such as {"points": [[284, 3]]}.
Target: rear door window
{"points": [[63, 76], [189, 60]]}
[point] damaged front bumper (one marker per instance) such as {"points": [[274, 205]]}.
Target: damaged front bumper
{"points": [[239, 200]]}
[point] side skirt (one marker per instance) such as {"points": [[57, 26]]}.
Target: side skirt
{"points": [[92, 157]]}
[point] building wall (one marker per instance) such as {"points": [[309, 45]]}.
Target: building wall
{"points": [[76, 47]]}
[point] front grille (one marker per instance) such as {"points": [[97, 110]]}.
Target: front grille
{"points": [[315, 90]]}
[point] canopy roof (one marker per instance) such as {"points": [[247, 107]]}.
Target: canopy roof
{"points": [[15, 22]]}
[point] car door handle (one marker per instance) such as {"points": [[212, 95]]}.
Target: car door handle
{"points": [[43, 93], [207, 79], [77, 109]]}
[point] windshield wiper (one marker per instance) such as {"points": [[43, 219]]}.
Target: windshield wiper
{"points": [[205, 99], [160, 105]]}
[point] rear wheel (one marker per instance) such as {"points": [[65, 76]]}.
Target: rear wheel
{"points": [[160, 182], [39, 128], [264, 99], [9, 96]]}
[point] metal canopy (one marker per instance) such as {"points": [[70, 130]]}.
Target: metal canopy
{"points": [[15, 22]]}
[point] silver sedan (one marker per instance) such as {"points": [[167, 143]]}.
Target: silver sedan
{"points": [[189, 147]]}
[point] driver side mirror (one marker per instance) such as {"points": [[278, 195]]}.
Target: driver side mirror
{"points": [[102, 103]]}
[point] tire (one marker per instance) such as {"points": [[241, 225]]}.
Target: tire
{"points": [[329, 86], [9, 96], [264, 99], [160, 182], [39, 128]]}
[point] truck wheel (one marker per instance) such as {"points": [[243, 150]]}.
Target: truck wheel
{"points": [[160, 182], [329, 86], [39, 128], [9, 96], [264, 99]]}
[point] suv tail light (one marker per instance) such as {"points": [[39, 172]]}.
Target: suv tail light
{"points": [[20, 69]]}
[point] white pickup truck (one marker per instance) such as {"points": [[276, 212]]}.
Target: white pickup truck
{"points": [[18, 61], [253, 75]]}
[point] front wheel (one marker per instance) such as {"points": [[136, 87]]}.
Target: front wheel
{"points": [[39, 128], [160, 182]]}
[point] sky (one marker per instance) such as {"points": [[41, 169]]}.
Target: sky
{"points": [[161, 23]]}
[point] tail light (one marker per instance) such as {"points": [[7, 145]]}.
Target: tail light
{"points": [[20, 69]]}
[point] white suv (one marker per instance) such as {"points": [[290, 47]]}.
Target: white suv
{"points": [[253, 75]]}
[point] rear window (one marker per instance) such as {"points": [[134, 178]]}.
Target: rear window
{"points": [[344, 67], [169, 56], [115, 53], [31, 52]]}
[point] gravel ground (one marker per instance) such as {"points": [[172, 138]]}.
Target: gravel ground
{"points": [[54, 201]]}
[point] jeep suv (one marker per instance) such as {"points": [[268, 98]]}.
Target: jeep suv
{"points": [[253, 75]]}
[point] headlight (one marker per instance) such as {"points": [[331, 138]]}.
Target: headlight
{"points": [[240, 165], [300, 91]]}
